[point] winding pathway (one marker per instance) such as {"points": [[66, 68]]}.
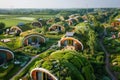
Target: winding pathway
{"points": [[107, 64], [33, 58]]}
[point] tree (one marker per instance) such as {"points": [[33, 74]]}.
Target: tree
{"points": [[57, 20], [91, 40], [2, 25], [98, 28], [80, 19]]}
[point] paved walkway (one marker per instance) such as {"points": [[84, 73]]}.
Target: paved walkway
{"points": [[107, 64]]}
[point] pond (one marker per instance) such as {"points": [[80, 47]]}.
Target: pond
{"points": [[25, 18], [3, 15]]}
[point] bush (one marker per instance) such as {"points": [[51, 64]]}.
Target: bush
{"points": [[1, 31], [117, 49], [5, 72], [53, 33], [116, 68], [106, 78], [2, 25]]}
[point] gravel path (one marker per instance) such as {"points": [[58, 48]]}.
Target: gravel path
{"points": [[107, 64]]}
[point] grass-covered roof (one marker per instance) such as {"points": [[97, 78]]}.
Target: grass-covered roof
{"points": [[68, 65]]}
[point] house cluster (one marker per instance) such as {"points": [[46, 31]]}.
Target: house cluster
{"points": [[34, 39]]}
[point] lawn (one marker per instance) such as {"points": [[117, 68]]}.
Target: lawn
{"points": [[81, 24], [11, 20], [44, 16]]}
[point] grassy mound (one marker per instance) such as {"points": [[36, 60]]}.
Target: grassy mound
{"points": [[68, 65]]}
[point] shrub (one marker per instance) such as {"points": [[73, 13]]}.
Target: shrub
{"points": [[5, 72]]}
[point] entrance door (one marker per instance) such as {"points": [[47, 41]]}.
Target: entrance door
{"points": [[39, 75], [34, 40], [59, 28], [2, 57]]}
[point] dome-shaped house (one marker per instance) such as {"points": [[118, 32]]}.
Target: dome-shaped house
{"points": [[71, 21], [5, 55], [33, 39], [42, 74], [56, 27], [50, 21], [15, 30], [78, 18], [63, 65], [70, 43], [37, 24]]}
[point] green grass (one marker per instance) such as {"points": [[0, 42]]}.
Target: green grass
{"points": [[115, 58], [81, 24], [54, 36], [44, 16], [12, 22], [15, 43], [14, 71], [5, 72]]}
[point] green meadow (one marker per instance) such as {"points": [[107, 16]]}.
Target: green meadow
{"points": [[12, 20]]}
